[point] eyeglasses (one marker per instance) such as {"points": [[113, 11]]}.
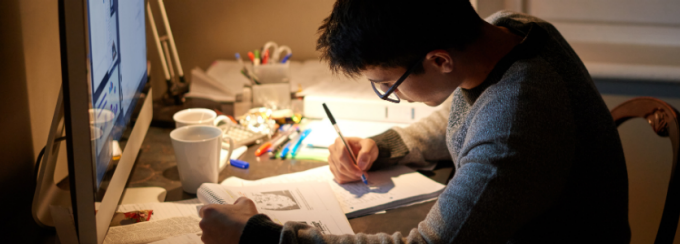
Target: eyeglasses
{"points": [[395, 98]]}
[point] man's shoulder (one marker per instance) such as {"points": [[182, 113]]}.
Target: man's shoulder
{"points": [[515, 20], [529, 73]]}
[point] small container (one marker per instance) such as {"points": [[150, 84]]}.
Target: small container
{"points": [[272, 73], [274, 96]]}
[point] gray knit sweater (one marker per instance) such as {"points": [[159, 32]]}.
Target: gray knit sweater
{"points": [[536, 154]]}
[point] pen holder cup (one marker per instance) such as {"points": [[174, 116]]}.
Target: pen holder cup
{"points": [[275, 96], [272, 73]]}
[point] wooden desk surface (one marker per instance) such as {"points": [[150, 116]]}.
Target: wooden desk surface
{"points": [[156, 166]]}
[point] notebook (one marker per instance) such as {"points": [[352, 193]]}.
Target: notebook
{"points": [[312, 204], [388, 188]]}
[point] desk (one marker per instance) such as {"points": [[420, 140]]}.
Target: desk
{"points": [[155, 166]]}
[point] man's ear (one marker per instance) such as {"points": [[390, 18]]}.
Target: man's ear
{"points": [[440, 59]]}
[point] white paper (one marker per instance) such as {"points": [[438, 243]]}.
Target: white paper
{"points": [[192, 200], [323, 133], [227, 73], [182, 239], [313, 204], [387, 188], [163, 210], [204, 86], [145, 232]]}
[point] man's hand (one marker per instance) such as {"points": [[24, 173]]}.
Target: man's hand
{"points": [[340, 162], [225, 223]]}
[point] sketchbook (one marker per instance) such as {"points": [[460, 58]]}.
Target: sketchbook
{"points": [[312, 204], [388, 188]]}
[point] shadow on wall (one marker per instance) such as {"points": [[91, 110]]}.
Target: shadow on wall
{"points": [[16, 148], [208, 30]]}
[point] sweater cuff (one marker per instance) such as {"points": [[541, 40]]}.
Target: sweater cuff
{"points": [[391, 148], [260, 229]]}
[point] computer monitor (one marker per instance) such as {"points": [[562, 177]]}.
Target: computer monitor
{"points": [[104, 71]]}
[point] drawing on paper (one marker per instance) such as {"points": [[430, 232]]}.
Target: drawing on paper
{"points": [[275, 200], [320, 226]]}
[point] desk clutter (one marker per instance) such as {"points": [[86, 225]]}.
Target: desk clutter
{"points": [[278, 109], [325, 205]]}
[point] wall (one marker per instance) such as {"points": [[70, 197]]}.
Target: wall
{"points": [[215, 29], [16, 149], [40, 26]]}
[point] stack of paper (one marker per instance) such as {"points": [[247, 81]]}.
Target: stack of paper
{"points": [[223, 80], [387, 189], [169, 219], [312, 204], [323, 133]]}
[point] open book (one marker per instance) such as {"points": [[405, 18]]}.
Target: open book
{"points": [[312, 204], [388, 188]]}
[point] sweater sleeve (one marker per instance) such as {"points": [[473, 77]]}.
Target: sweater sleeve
{"points": [[418, 145], [260, 229]]}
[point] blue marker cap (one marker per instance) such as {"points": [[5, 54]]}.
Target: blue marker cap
{"points": [[239, 164], [285, 150]]}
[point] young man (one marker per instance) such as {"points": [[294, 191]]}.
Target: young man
{"points": [[536, 154]]}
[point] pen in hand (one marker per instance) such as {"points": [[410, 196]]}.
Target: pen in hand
{"points": [[337, 129]]}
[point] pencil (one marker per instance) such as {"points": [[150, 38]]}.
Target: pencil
{"points": [[337, 129]]}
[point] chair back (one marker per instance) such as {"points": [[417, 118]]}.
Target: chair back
{"points": [[664, 121]]}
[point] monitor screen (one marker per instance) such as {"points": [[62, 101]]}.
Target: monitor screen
{"points": [[117, 56]]}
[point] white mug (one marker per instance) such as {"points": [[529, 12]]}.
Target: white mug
{"points": [[197, 150], [203, 116], [198, 116]]}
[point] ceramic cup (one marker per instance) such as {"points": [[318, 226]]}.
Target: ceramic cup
{"points": [[197, 150], [198, 116], [204, 116]]}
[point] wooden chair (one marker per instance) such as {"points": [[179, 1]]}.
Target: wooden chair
{"points": [[664, 121]]}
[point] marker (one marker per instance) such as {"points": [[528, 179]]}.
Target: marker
{"points": [[289, 146], [251, 56], [262, 149], [286, 58], [290, 133], [239, 164], [278, 143], [244, 70], [297, 144], [285, 127], [337, 129], [240, 61], [257, 57], [284, 151], [265, 56]]}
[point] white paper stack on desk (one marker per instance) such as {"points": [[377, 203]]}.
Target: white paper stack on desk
{"points": [[387, 189], [312, 204], [223, 80]]}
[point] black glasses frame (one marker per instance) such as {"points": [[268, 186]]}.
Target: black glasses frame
{"points": [[396, 84]]}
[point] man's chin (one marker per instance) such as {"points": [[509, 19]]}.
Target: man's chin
{"points": [[432, 103], [428, 103]]}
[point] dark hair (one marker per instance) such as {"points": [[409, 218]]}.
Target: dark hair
{"points": [[394, 33]]}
